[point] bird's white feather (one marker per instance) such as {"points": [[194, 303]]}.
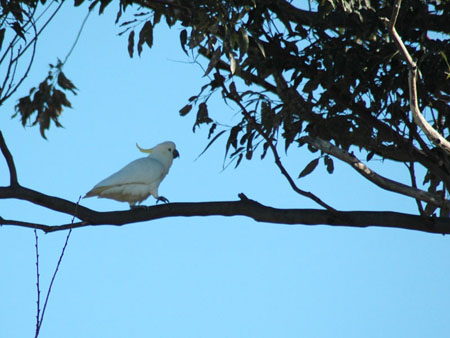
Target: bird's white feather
{"points": [[138, 179]]}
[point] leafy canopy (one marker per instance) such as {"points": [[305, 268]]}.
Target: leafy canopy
{"points": [[324, 75]]}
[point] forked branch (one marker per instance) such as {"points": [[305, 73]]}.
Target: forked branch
{"points": [[372, 176]]}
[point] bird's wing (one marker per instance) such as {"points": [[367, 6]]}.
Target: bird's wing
{"points": [[141, 171]]}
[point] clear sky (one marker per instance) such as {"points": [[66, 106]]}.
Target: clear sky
{"points": [[196, 277]]}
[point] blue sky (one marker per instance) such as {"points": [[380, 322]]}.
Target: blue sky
{"points": [[196, 277]]}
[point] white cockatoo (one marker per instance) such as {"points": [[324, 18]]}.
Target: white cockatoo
{"points": [[140, 178]]}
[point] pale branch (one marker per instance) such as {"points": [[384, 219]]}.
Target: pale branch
{"points": [[372, 176], [9, 161], [435, 137]]}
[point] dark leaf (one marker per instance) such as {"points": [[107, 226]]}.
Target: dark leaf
{"points": [[44, 123], [249, 154], [243, 42], [131, 43], [126, 23], [186, 109], [93, 4], [202, 115], [156, 18], [237, 151], [211, 130], [267, 116], [233, 91], [427, 177], [211, 142], [145, 36], [103, 4], [65, 83], [213, 61], [238, 161], [369, 156], [15, 9], [183, 40], [119, 14], [2, 36], [61, 98], [232, 139], [329, 163], [265, 147], [25, 108], [309, 168], [18, 29], [78, 2]]}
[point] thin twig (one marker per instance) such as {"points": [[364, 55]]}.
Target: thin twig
{"points": [[15, 59], [45, 228], [37, 284], [412, 174], [11, 90], [52, 280], [275, 154], [77, 38], [55, 272], [9, 161], [40, 30]]}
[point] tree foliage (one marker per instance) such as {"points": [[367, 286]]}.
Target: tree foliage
{"points": [[21, 23], [328, 78], [331, 73]]}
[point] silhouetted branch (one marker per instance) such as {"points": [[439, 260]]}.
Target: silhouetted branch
{"points": [[243, 207], [38, 301], [9, 161], [39, 314]]}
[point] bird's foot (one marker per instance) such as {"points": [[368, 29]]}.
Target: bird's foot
{"points": [[162, 199]]}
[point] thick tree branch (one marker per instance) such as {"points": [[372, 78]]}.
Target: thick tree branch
{"points": [[429, 131], [248, 208], [9, 161], [47, 201], [372, 176]]}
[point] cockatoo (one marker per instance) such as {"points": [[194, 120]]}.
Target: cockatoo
{"points": [[140, 178]]}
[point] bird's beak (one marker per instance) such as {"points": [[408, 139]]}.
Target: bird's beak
{"points": [[176, 153]]}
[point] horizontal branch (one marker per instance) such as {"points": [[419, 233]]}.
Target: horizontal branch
{"points": [[242, 207]]}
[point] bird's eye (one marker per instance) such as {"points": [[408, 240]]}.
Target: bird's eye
{"points": [[170, 149]]}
